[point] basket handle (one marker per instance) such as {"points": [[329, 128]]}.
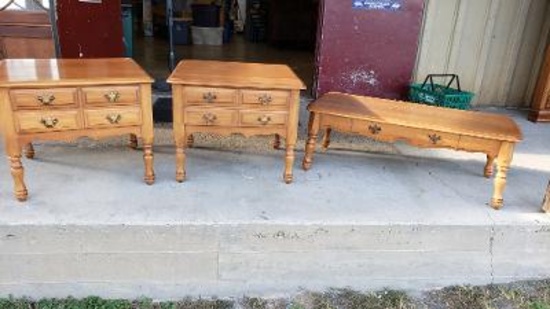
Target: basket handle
{"points": [[453, 77]]}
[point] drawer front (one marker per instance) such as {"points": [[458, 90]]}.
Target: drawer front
{"points": [[107, 95], [265, 98], [418, 137], [112, 117], [210, 117], [204, 95], [477, 144], [263, 118], [39, 122], [40, 98]]}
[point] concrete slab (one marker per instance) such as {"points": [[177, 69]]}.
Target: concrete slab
{"points": [[367, 215]]}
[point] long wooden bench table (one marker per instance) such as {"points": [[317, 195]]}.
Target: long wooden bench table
{"points": [[419, 125]]}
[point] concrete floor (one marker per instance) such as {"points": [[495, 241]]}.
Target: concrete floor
{"points": [[368, 215], [239, 180]]}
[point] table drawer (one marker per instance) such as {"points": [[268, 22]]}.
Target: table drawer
{"points": [[39, 98], [205, 95], [105, 95], [210, 117], [263, 118], [265, 98], [112, 117], [418, 137], [51, 121]]}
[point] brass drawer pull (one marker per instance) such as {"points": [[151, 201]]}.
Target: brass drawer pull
{"points": [[209, 118], [49, 122], [46, 98], [209, 97], [434, 138], [265, 99], [112, 96], [114, 118], [374, 129], [264, 119]]}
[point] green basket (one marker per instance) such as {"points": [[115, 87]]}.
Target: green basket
{"points": [[439, 95]]}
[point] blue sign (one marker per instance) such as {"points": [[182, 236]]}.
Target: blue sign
{"points": [[387, 5]]}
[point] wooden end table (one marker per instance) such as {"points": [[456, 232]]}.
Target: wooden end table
{"points": [[231, 97], [64, 99]]}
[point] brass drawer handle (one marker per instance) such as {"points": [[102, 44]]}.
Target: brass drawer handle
{"points": [[264, 119], [46, 98], [112, 96], [49, 122], [374, 129], [114, 118], [209, 118], [434, 138], [265, 99], [209, 97]]}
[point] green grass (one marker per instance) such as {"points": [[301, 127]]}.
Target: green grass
{"points": [[520, 295]]}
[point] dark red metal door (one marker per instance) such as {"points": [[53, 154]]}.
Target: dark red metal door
{"points": [[90, 29], [366, 48]]}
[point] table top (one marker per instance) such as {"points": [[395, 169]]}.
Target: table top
{"points": [[471, 123], [54, 72], [235, 74]]}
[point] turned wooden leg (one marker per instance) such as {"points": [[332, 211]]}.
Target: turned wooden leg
{"points": [[190, 141], [133, 142], [29, 151], [488, 170], [326, 139], [503, 160], [180, 159], [17, 173], [289, 162], [148, 159], [546, 200], [313, 130], [277, 142]]}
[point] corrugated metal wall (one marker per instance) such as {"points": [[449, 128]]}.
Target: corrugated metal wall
{"points": [[496, 46]]}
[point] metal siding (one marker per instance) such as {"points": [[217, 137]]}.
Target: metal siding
{"points": [[495, 46]]}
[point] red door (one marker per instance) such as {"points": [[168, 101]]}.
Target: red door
{"points": [[90, 28], [368, 47]]}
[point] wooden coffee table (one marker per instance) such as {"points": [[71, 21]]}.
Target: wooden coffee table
{"points": [[419, 125], [231, 97], [64, 99]]}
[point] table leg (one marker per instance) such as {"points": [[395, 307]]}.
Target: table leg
{"points": [[277, 142], [180, 158], [503, 160], [148, 159], [190, 141], [29, 151], [313, 130], [133, 142], [488, 170], [289, 158], [17, 172], [326, 139], [546, 200]]}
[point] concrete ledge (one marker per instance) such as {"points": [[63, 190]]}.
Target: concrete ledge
{"points": [[230, 260]]}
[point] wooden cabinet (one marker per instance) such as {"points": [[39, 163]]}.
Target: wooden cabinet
{"points": [[540, 108], [231, 97], [53, 99], [26, 34]]}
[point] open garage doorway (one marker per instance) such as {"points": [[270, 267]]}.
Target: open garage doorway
{"points": [[265, 31]]}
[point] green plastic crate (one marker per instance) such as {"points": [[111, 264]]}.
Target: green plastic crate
{"points": [[440, 95]]}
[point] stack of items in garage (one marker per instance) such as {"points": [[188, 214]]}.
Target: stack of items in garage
{"points": [[206, 24]]}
